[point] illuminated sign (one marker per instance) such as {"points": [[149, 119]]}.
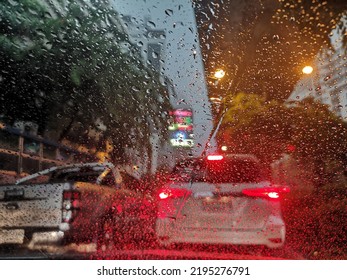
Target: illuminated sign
{"points": [[181, 128], [182, 139]]}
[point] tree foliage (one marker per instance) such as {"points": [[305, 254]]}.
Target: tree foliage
{"points": [[67, 67], [254, 125], [307, 129]]}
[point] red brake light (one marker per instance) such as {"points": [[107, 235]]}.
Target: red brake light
{"points": [[71, 195], [71, 205], [172, 193], [271, 192], [214, 157], [164, 195]]}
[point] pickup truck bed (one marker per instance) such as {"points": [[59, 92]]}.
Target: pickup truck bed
{"points": [[72, 205], [25, 209]]}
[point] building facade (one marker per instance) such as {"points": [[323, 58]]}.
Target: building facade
{"points": [[166, 35], [328, 81]]}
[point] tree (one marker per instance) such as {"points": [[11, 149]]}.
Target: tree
{"points": [[70, 71], [267, 128], [254, 125], [319, 137]]}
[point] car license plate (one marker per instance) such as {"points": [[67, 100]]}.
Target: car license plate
{"points": [[15, 236], [217, 204]]}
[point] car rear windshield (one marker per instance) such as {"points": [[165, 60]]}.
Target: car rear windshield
{"points": [[84, 174], [229, 171], [90, 177]]}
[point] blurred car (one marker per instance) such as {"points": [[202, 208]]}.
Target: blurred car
{"points": [[228, 200], [78, 203], [183, 169]]}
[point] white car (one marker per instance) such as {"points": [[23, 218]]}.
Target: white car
{"points": [[227, 200]]}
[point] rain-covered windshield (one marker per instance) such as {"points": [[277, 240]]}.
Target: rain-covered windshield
{"points": [[231, 171], [153, 88]]}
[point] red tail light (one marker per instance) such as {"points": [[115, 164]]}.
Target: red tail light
{"points": [[214, 157], [270, 192], [71, 205], [71, 195], [166, 193]]}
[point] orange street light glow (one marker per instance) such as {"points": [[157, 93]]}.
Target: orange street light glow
{"points": [[219, 74], [307, 70]]}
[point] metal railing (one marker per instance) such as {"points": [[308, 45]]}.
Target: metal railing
{"points": [[27, 153]]}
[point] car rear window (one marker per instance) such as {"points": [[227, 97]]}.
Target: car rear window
{"points": [[229, 171], [90, 177]]}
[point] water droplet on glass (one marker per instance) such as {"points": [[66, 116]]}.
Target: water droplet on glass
{"points": [[327, 78], [134, 88], [13, 3], [276, 37], [169, 12], [151, 24]]}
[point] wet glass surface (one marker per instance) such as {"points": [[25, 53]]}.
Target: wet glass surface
{"points": [[145, 101]]}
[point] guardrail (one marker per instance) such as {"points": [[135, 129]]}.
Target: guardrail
{"points": [[27, 153]]}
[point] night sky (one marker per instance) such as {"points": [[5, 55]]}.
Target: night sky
{"points": [[263, 44]]}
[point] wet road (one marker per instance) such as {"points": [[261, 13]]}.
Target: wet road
{"points": [[182, 252]]}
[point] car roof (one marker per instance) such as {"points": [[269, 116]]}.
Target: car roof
{"points": [[240, 156], [249, 157], [62, 167]]}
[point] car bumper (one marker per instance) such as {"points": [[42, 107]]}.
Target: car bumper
{"points": [[272, 235]]}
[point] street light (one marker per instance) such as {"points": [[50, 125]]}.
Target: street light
{"points": [[307, 70], [218, 101], [219, 74]]}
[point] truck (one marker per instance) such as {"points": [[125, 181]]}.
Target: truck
{"points": [[79, 203]]}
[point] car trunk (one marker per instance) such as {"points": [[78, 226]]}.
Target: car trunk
{"points": [[221, 207]]}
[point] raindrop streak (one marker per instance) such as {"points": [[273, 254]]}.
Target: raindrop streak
{"points": [[135, 89], [169, 12], [151, 24]]}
